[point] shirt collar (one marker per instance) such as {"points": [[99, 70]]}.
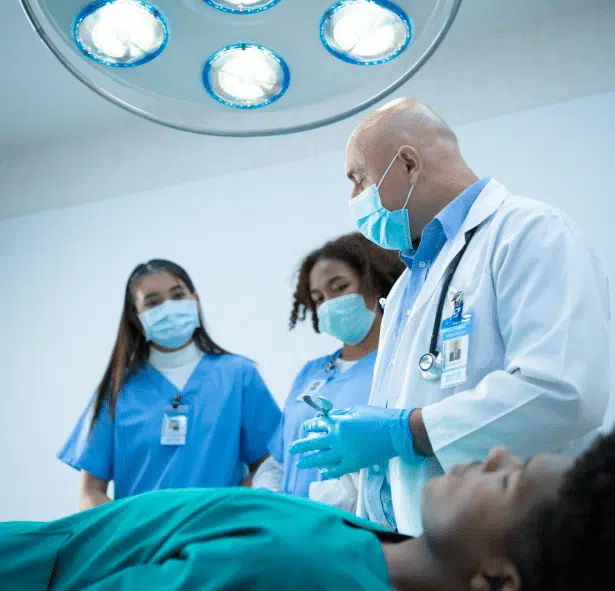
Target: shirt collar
{"points": [[451, 218], [455, 213], [432, 238]]}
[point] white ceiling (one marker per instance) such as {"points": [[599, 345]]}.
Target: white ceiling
{"points": [[42, 102]]}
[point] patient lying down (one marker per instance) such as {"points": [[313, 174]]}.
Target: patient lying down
{"points": [[498, 525]]}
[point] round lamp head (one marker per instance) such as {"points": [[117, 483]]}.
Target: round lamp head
{"points": [[243, 67]]}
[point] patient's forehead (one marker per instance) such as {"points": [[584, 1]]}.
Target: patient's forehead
{"points": [[542, 476]]}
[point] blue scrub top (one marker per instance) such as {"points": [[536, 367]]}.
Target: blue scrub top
{"points": [[231, 418], [344, 390]]}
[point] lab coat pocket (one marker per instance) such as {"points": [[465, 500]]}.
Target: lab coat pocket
{"points": [[485, 350]]}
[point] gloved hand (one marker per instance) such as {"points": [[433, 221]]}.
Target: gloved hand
{"points": [[354, 438]]}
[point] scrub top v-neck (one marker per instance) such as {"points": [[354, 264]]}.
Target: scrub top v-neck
{"points": [[230, 417]]}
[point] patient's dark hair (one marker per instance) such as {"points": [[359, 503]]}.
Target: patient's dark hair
{"points": [[378, 270], [571, 541]]}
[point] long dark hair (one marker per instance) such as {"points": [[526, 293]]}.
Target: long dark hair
{"points": [[131, 349], [378, 270]]}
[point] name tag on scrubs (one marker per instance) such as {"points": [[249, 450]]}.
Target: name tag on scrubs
{"points": [[455, 346], [174, 429], [315, 386]]}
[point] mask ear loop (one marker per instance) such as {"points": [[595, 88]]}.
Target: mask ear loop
{"points": [[408, 199], [387, 172]]}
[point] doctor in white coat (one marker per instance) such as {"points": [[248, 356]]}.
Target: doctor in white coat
{"points": [[509, 282]]}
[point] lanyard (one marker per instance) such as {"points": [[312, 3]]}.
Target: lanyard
{"points": [[430, 364], [315, 386], [447, 282], [331, 368]]}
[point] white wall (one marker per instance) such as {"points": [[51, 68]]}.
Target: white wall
{"points": [[62, 273]]}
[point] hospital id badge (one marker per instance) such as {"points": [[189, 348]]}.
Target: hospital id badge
{"points": [[315, 386], [455, 346], [174, 429]]}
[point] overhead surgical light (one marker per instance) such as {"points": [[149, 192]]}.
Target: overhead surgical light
{"points": [[243, 67], [122, 33], [365, 32]]}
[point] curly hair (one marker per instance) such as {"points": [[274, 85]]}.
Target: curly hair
{"points": [[377, 269], [571, 540]]}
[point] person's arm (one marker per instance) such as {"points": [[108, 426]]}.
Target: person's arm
{"points": [[269, 475], [553, 315], [260, 418], [92, 491], [90, 450], [247, 481], [420, 437]]}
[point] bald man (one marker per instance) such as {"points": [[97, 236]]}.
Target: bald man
{"points": [[496, 334]]}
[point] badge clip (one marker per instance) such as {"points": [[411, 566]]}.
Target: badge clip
{"points": [[457, 302]]}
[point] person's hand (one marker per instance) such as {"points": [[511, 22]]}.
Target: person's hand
{"points": [[347, 440]]}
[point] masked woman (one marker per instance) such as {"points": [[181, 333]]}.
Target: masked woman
{"points": [[173, 409], [340, 286]]}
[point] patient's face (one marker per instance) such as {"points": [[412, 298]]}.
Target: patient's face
{"points": [[475, 508]]}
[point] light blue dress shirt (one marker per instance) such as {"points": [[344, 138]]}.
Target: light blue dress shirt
{"points": [[377, 496]]}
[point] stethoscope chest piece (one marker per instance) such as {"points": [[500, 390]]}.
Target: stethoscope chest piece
{"points": [[430, 366]]}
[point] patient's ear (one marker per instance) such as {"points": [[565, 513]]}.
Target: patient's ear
{"points": [[496, 574]]}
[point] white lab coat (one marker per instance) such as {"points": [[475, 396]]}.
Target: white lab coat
{"points": [[538, 363]]}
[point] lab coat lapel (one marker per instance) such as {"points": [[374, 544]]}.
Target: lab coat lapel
{"points": [[486, 204]]}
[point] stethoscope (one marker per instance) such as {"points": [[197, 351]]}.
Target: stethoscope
{"points": [[430, 364]]}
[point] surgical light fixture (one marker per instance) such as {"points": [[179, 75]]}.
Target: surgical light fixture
{"points": [[365, 33], [243, 67]]}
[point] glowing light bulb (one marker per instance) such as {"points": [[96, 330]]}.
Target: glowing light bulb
{"points": [[366, 31], [121, 32], [246, 76]]}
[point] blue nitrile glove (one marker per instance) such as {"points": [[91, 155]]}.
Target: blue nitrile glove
{"points": [[353, 438]]}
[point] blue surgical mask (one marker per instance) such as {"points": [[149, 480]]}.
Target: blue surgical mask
{"points": [[346, 318], [388, 229], [172, 323]]}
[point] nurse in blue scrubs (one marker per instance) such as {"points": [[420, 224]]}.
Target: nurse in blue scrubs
{"points": [[340, 286], [173, 410]]}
